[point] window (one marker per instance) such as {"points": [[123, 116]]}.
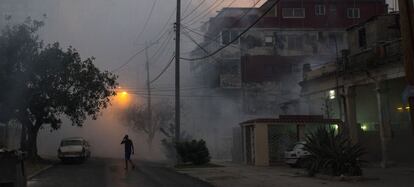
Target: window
{"points": [[228, 36], [362, 38], [268, 40], [295, 42], [293, 12], [332, 94], [320, 10], [353, 13], [332, 10]]}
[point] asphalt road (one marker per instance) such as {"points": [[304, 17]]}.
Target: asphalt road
{"points": [[111, 172]]}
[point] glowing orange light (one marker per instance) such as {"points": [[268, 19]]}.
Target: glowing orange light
{"points": [[122, 99]]}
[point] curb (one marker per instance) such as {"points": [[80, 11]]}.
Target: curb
{"points": [[38, 172]]}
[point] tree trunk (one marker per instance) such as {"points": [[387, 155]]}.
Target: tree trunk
{"points": [[32, 144], [32, 140], [23, 137]]}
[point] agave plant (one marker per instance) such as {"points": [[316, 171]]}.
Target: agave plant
{"points": [[333, 153]]}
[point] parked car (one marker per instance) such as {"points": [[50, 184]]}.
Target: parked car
{"points": [[295, 156], [74, 149]]}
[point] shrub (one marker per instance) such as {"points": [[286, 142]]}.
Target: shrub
{"points": [[333, 153], [195, 152], [168, 142]]}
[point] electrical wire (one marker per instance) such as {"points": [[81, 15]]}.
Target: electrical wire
{"points": [[207, 10], [128, 61], [198, 6], [147, 20], [235, 23], [207, 37], [206, 14], [162, 46], [238, 36], [163, 71], [168, 21], [199, 46], [136, 54], [188, 6]]}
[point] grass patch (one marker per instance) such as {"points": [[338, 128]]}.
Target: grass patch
{"points": [[208, 165]]}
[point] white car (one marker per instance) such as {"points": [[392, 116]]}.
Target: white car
{"points": [[74, 148], [294, 156]]}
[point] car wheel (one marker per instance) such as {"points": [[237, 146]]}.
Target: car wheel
{"points": [[302, 163]]}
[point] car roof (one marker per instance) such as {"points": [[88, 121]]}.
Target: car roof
{"points": [[73, 138]]}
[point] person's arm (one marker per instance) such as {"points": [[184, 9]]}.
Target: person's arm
{"points": [[132, 146], [123, 141]]}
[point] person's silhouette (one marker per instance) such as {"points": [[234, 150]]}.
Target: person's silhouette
{"points": [[129, 149]]}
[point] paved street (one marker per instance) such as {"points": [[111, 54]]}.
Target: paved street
{"points": [[110, 172]]}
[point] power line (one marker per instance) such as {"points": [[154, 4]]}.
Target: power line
{"points": [[148, 19], [238, 36], [208, 37], [198, 6], [128, 61], [136, 54], [207, 13], [208, 10], [188, 6], [199, 46], [162, 46], [238, 20], [163, 71], [168, 21]]}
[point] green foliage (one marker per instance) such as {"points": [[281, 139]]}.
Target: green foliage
{"points": [[168, 142], [333, 153], [45, 82], [42, 83], [193, 151]]}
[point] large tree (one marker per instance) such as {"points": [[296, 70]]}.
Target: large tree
{"points": [[44, 83]]}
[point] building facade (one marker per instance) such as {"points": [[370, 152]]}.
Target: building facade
{"points": [[274, 50], [258, 73], [367, 89]]}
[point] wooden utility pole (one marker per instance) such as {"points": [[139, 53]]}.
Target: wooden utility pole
{"points": [[177, 71], [148, 87], [407, 33]]}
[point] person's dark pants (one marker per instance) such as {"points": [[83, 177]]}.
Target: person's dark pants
{"points": [[128, 159], [127, 155]]}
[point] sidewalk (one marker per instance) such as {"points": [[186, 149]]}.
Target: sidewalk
{"points": [[249, 176]]}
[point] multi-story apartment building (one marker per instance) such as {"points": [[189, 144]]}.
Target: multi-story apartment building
{"points": [[293, 33]]}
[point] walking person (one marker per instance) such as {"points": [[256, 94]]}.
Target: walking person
{"points": [[129, 149]]}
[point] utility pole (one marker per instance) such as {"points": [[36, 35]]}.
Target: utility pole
{"points": [[407, 33], [177, 71], [148, 87]]}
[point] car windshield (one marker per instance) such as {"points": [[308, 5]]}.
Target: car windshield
{"points": [[71, 142]]}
